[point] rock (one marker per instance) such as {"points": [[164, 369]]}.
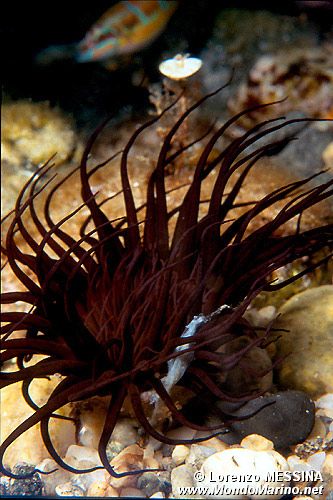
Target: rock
{"points": [[132, 493], [326, 402], [318, 430], [130, 458], [297, 464], [328, 156], [198, 455], [181, 433], [149, 483], [305, 154], [69, 490], [181, 476], [4, 486], [32, 486], [14, 410], [317, 460], [287, 420], [257, 443], [180, 453], [251, 469], [328, 464], [82, 457], [92, 416], [309, 342], [111, 492], [214, 443], [124, 434], [51, 481], [33, 132], [260, 317], [97, 489], [256, 361]]}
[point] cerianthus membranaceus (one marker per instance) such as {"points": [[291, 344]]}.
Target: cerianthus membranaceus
{"points": [[109, 311]]}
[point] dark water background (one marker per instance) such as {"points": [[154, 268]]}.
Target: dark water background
{"points": [[85, 90]]}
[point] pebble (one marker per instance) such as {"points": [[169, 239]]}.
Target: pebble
{"points": [[97, 489], [181, 476], [111, 492], [318, 430], [241, 462], [29, 447], [328, 156], [309, 342], [180, 453], [317, 460], [260, 317], [123, 435], [257, 443], [130, 458], [328, 464], [51, 481], [69, 490], [326, 402], [151, 482], [198, 455], [298, 464], [181, 433], [214, 442], [4, 486], [132, 493], [288, 420], [92, 417], [32, 486], [256, 360], [82, 457]]}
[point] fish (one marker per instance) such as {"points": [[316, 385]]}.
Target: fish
{"points": [[124, 29]]}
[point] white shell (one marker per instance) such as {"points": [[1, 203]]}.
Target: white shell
{"points": [[180, 67]]}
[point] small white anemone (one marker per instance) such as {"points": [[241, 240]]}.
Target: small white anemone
{"points": [[180, 67]]}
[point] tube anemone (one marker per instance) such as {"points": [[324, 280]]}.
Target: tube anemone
{"points": [[113, 310]]}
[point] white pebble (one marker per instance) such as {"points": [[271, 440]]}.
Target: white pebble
{"points": [[180, 453], [181, 476], [242, 463], [297, 464], [325, 401], [82, 457], [317, 460], [198, 454]]}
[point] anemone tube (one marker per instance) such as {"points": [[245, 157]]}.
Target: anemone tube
{"points": [[108, 310]]}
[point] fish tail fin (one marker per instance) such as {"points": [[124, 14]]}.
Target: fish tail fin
{"points": [[56, 53]]}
